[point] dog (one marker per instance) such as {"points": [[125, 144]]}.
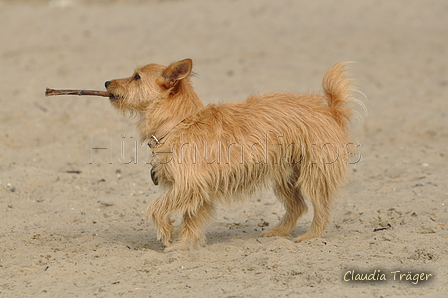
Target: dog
{"points": [[204, 155]]}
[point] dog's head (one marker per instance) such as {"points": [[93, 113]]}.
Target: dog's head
{"points": [[148, 85]]}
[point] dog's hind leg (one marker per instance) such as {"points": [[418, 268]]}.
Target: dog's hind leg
{"points": [[295, 206], [320, 220], [320, 197]]}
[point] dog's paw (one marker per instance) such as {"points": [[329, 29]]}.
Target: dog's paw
{"points": [[305, 237], [275, 233], [178, 246], [186, 244], [174, 248]]}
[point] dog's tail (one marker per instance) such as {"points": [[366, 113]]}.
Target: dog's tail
{"points": [[338, 89]]}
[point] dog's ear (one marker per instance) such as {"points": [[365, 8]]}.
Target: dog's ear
{"points": [[174, 73]]}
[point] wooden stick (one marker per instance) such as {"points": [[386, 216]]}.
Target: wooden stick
{"points": [[50, 92]]}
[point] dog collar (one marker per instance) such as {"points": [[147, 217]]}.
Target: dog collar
{"points": [[162, 132]]}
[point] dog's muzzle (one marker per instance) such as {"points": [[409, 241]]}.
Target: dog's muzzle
{"points": [[112, 96]]}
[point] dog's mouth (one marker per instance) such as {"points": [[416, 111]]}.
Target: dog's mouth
{"points": [[114, 97]]}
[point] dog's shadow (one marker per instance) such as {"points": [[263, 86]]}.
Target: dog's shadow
{"points": [[215, 236], [139, 240], [245, 234], [146, 238]]}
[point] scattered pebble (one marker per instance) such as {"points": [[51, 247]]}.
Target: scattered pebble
{"points": [[10, 187], [106, 203], [263, 223], [73, 172]]}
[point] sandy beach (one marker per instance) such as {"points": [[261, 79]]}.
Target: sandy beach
{"points": [[72, 218]]}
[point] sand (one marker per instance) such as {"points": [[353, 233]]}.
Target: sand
{"points": [[72, 218]]}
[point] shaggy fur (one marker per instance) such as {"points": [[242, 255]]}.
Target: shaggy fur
{"points": [[204, 155]]}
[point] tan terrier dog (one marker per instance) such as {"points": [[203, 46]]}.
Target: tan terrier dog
{"points": [[204, 155]]}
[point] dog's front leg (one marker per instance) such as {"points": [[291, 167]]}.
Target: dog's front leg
{"points": [[191, 232], [159, 214]]}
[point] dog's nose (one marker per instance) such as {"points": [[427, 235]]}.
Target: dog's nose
{"points": [[107, 83]]}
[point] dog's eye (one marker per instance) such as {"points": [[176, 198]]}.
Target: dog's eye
{"points": [[137, 77]]}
